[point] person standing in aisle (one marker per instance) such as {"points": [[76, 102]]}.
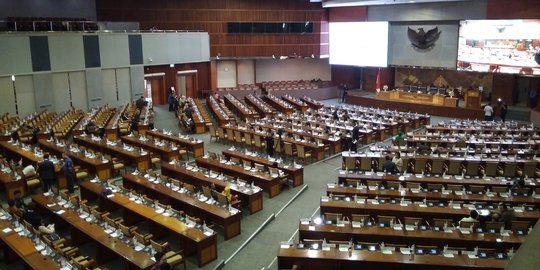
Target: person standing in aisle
{"points": [[46, 173]]}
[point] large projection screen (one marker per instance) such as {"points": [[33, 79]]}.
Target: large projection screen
{"points": [[506, 46], [359, 44]]}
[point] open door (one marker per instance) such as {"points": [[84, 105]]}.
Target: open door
{"points": [[187, 83], [154, 88]]}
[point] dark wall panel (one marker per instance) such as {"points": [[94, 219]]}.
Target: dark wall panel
{"points": [[135, 50], [39, 49], [91, 51]]}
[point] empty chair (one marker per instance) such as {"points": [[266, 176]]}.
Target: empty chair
{"points": [[412, 185], [490, 168], [412, 221], [353, 182], [499, 190], [230, 135], [221, 133], [238, 137], [493, 225], [386, 220], [477, 189], [365, 163], [468, 224], [510, 169], [350, 163], [442, 222], [259, 143], [213, 132], [360, 218], [472, 168], [454, 187], [248, 140], [518, 225], [333, 217], [437, 166], [287, 146], [419, 165], [394, 185], [302, 153], [454, 167], [434, 187]]}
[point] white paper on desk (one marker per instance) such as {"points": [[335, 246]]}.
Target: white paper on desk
{"points": [[342, 172], [285, 246], [422, 205], [19, 229], [409, 228], [465, 231], [60, 212], [387, 251], [326, 248], [40, 248], [108, 231], [472, 256], [343, 248], [208, 233], [7, 230], [311, 228], [110, 195], [448, 230], [448, 255], [398, 227], [340, 224]]}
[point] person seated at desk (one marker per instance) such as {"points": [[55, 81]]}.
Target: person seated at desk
{"points": [[398, 161], [389, 166], [230, 198], [32, 217], [423, 149], [91, 128], [504, 214], [473, 217], [17, 204], [440, 151]]}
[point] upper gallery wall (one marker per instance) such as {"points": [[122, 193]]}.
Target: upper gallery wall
{"points": [[214, 15]]}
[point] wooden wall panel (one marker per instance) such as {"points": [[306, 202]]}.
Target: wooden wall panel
{"points": [[203, 74], [523, 9], [212, 16], [348, 14], [504, 86]]}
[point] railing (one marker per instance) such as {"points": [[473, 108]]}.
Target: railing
{"points": [[70, 26]]}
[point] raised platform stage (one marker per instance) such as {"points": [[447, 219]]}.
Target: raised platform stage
{"points": [[369, 100]]}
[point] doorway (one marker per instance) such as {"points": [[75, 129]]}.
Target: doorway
{"points": [[186, 82], [154, 86]]}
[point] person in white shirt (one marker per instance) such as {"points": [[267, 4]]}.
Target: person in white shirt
{"points": [[488, 112], [29, 171], [398, 161], [473, 216]]}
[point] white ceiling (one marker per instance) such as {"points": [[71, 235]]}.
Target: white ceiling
{"points": [[350, 3]]}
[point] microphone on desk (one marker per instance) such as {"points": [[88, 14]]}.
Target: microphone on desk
{"points": [[429, 225]]}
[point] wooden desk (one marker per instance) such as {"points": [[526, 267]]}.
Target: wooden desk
{"points": [[108, 247], [374, 234], [239, 107], [270, 184], [229, 221], [411, 210], [297, 103], [196, 147], [260, 106], [24, 249], [193, 240], [420, 98], [253, 201], [102, 169], [317, 151], [313, 104], [447, 196], [142, 162], [278, 104], [449, 180], [295, 174], [10, 185], [30, 158], [165, 151], [367, 260]]}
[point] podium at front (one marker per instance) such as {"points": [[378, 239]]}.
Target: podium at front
{"points": [[473, 99]]}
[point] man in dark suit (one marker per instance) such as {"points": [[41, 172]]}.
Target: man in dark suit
{"points": [[46, 172], [355, 136], [389, 166]]}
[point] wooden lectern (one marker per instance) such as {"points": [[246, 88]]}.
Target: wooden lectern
{"points": [[473, 99]]}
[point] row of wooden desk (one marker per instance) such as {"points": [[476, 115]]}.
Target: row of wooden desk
{"points": [[230, 221], [196, 147], [250, 199], [107, 247], [268, 183], [23, 248], [362, 259], [193, 241], [138, 159]]}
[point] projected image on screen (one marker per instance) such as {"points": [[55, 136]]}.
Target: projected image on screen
{"points": [[359, 44], [506, 46]]}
